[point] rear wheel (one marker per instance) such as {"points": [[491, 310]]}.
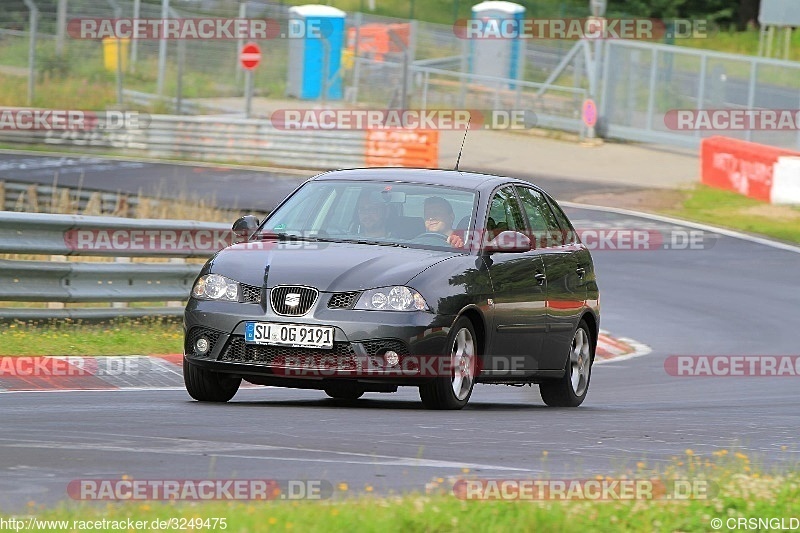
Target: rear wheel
{"points": [[344, 391], [208, 386], [570, 390], [453, 391]]}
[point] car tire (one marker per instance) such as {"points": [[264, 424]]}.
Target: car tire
{"points": [[344, 392], [453, 392], [207, 386], [570, 390]]}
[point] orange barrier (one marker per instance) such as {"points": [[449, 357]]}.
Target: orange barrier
{"points": [[402, 148], [375, 42], [740, 166]]}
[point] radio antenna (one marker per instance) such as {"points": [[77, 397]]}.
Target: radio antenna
{"points": [[462, 143]]}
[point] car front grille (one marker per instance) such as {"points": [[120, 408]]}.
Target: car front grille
{"points": [[341, 357], [293, 300], [250, 294], [382, 345], [343, 300], [197, 332]]}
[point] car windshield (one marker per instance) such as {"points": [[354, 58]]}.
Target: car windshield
{"points": [[383, 213]]}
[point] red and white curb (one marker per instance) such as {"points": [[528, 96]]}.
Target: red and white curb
{"points": [[50, 373], [139, 372], [611, 349]]}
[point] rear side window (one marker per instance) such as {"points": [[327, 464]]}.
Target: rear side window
{"points": [[570, 235], [544, 225]]}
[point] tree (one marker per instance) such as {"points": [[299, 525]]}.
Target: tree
{"points": [[748, 12]]}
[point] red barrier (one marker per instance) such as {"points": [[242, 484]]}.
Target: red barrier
{"points": [[740, 166]]}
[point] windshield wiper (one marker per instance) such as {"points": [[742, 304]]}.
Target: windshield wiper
{"points": [[308, 238], [364, 241], [285, 237]]}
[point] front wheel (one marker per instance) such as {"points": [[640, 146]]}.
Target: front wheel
{"points": [[207, 386], [570, 390], [453, 391]]}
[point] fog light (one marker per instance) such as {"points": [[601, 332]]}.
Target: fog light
{"points": [[201, 346], [391, 358]]}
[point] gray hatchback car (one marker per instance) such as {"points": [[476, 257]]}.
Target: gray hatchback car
{"points": [[366, 280]]}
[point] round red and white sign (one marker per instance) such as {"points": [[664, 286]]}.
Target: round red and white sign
{"points": [[589, 112], [250, 56]]}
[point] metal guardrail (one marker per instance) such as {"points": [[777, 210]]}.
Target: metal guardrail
{"points": [[72, 282], [117, 138], [47, 234], [213, 137], [38, 198], [48, 281]]}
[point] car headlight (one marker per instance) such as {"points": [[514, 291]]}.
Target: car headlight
{"points": [[216, 287], [396, 298]]}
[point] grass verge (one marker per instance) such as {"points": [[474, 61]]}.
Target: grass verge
{"points": [[738, 492], [732, 210], [122, 336]]}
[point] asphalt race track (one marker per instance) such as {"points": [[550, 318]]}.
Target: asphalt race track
{"points": [[732, 297], [230, 187]]}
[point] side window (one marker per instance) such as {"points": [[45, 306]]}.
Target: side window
{"points": [[571, 236], [544, 225], [504, 213]]}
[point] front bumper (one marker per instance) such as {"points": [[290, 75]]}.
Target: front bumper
{"points": [[360, 341]]}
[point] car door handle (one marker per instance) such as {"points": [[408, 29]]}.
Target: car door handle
{"points": [[540, 277], [580, 271]]}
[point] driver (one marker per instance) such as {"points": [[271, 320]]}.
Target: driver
{"points": [[372, 215], [439, 218]]}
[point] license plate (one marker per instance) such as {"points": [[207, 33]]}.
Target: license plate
{"points": [[295, 335]]}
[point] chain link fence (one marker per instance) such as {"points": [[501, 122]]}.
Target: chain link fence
{"points": [[643, 82], [424, 65], [210, 68]]}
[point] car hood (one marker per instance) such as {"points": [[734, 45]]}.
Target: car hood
{"points": [[330, 267]]}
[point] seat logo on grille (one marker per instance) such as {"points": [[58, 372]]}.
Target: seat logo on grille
{"points": [[292, 300]]}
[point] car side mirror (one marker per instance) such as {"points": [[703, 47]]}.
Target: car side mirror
{"points": [[508, 242], [244, 227]]}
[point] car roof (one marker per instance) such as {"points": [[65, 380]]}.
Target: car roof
{"points": [[430, 176]]}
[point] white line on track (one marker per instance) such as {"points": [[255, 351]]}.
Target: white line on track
{"points": [[679, 222], [206, 449]]}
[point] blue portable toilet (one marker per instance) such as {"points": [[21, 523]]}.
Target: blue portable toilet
{"points": [[497, 57], [317, 40]]}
